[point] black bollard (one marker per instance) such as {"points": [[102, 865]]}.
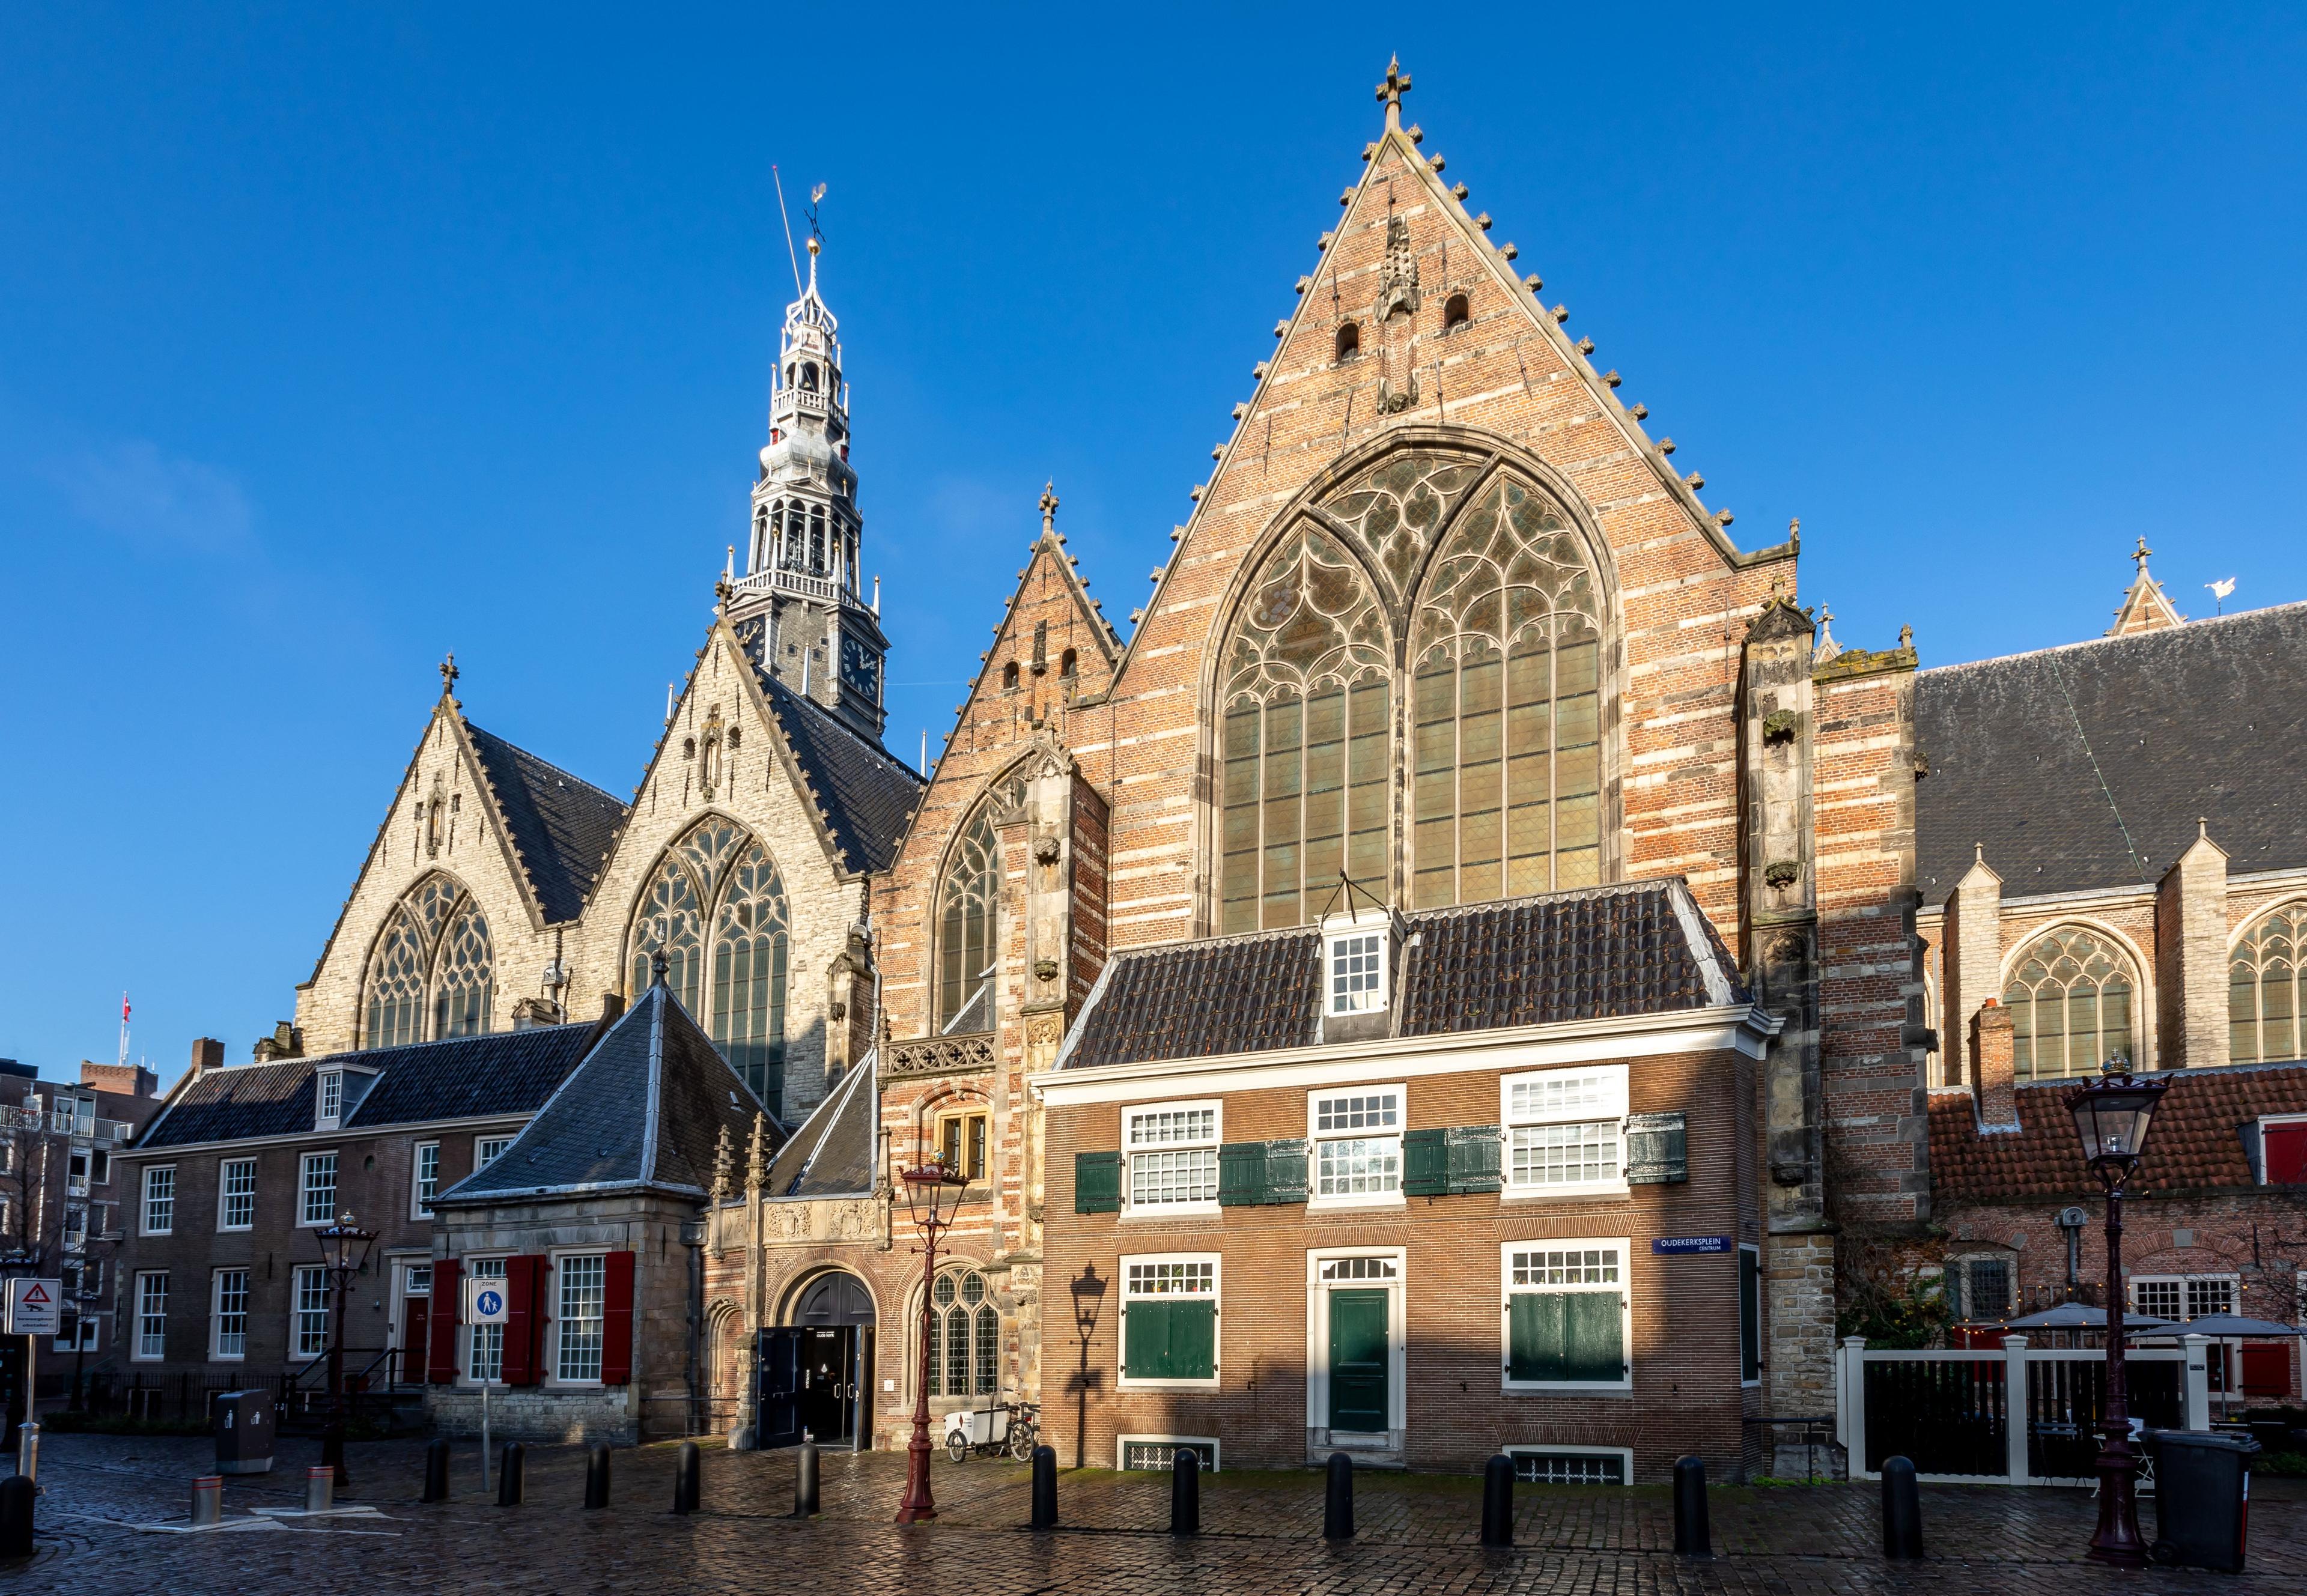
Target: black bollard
{"points": [[1691, 1536], [436, 1471], [1045, 1488], [805, 1481], [684, 1479], [510, 1468], [1497, 1501], [1902, 1509], [1185, 1491], [1338, 1499], [16, 1497], [597, 1476]]}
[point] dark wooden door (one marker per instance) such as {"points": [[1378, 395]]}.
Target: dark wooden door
{"points": [[827, 1381], [780, 1419], [1360, 1361]]}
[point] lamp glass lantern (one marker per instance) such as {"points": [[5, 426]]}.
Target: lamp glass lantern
{"points": [[2112, 1117]]}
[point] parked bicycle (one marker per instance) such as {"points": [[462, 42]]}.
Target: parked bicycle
{"points": [[999, 1427]]}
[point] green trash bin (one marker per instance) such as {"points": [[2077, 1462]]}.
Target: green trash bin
{"points": [[2202, 1497]]}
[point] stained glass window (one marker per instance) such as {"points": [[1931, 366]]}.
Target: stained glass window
{"points": [[964, 1336], [460, 1003], [2070, 1000], [2265, 982], [969, 925], [717, 875], [435, 945]]}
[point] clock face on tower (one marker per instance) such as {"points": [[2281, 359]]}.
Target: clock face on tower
{"points": [[860, 668]]}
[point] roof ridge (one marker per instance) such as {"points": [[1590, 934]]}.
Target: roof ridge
{"points": [[2161, 633]]}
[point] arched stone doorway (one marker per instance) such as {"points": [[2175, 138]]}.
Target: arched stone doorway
{"points": [[816, 1371]]}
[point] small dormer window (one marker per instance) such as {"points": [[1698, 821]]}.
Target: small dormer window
{"points": [[1354, 958], [331, 1100]]}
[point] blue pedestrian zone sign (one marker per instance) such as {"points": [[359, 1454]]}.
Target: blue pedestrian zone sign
{"points": [[484, 1303], [1667, 1246]]}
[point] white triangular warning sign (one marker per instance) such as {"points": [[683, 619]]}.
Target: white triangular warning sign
{"points": [[36, 1293]]}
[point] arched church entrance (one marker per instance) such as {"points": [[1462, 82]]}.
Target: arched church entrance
{"points": [[816, 1371]]}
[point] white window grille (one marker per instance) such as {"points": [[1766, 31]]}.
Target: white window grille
{"points": [[487, 1150], [152, 1314], [1160, 1453], [1357, 964], [236, 1195], [332, 1099], [160, 1204], [1566, 1130], [584, 1288], [427, 1182], [319, 1189], [230, 1312], [1173, 1155], [312, 1310], [1550, 1467], [1357, 1142]]}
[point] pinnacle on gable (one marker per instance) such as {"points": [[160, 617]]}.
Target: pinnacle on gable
{"points": [[1346, 198], [1666, 445], [1458, 191], [1508, 250], [1533, 282], [1560, 313], [1323, 241], [1438, 163], [1305, 283], [1695, 480], [1483, 221], [1639, 411], [1585, 346], [1611, 377]]}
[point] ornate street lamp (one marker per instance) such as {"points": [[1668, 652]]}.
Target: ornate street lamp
{"points": [[344, 1253], [2113, 1116], [932, 1193]]}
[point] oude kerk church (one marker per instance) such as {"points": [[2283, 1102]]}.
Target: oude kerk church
{"points": [[1475, 966]]}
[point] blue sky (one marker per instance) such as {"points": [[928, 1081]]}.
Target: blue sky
{"points": [[333, 339]]}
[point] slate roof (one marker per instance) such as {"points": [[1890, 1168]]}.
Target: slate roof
{"points": [[645, 1109], [2084, 768], [502, 1072], [864, 796], [2194, 1142], [834, 1152], [560, 826], [1642, 947]]}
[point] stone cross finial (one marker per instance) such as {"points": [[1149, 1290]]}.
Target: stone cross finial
{"points": [[725, 1159], [2140, 556], [1396, 85], [757, 1158], [448, 674], [1050, 506]]}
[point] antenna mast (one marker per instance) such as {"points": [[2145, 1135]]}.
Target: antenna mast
{"points": [[124, 1030]]}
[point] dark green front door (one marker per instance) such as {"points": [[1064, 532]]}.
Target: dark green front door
{"points": [[1358, 1361]]}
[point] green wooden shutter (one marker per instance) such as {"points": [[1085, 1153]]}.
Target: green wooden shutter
{"points": [[1425, 1163], [1241, 1173], [1285, 1170], [1171, 1340], [1750, 1314], [1097, 1182], [1657, 1150], [1473, 1160], [1596, 1350], [1565, 1336], [1535, 1336]]}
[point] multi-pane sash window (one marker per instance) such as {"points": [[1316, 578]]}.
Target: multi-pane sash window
{"points": [[309, 1324], [484, 1351], [332, 1098], [160, 1204], [1357, 972], [2183, 1296], [427, 1182], [1170, 1318], [487, 1150], [318, 1188], [1565, 1314], [1173, 1154], [236, 1194], [1566, 1130], [1356, 1139], [584, 1288], [230, 1314], [961, 1145], [152, 1314]]}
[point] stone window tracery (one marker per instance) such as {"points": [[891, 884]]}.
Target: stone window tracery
{"points": [[436, 944], [717, 875], [964, 1336], [969, 923], [2070, 998], [2267, 988], [1395, 506]]}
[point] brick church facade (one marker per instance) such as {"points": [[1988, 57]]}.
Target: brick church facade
{"points": [[1473, 859]]}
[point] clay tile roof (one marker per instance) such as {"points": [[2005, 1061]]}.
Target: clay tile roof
{"points": [[2086, 766], [2194, 1144], [561, 826]]}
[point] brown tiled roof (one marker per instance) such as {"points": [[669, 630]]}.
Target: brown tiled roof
{"points": [[2194, 1142]]}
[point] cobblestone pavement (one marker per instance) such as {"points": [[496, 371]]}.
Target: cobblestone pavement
{"points": [[1262, 1533]]}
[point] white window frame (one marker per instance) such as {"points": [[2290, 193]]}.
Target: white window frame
{"points": [[225, 1193], [1338, 932], [87, 1335], [1123, 1443], [298, 1347], [418, 1206], [99, 1166], [472, 1336], [501, 1142], [305, 1162], [328, 1083], [1610, 1109], [1315, 1137], [1624, 1286], [1625, 1454], [2186, 1285], [1216, 1261], [76, 1183], [146, 1198], [2267, 1122], [559, 1325], [144, 1316], [216, 1354], [1131, 1152]]}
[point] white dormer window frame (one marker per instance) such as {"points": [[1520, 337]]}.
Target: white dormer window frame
{"points": [[1357, 964], [327, 1099]]}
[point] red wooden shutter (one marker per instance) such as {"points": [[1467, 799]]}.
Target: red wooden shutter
{"points": [[617, 1321], [415, 1344], [441, 1365], [2285, 1152], [524, 1316]]}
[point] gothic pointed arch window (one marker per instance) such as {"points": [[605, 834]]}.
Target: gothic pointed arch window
{"points": [[968, 923], [964, 1335], [1303, 736], [433, 973], [1505, 762], [2070, 998], [715, 907], [2267, 988]]}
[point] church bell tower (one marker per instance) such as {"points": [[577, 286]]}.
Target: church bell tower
{"points": [[797, 606]]}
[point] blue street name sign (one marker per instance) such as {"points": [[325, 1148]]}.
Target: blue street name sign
{"points": [[1674, 1244]]}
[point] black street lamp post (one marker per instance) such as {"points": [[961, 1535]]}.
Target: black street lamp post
{"points": [[2113, 1116], [344, 1253], [932, 1193]]}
